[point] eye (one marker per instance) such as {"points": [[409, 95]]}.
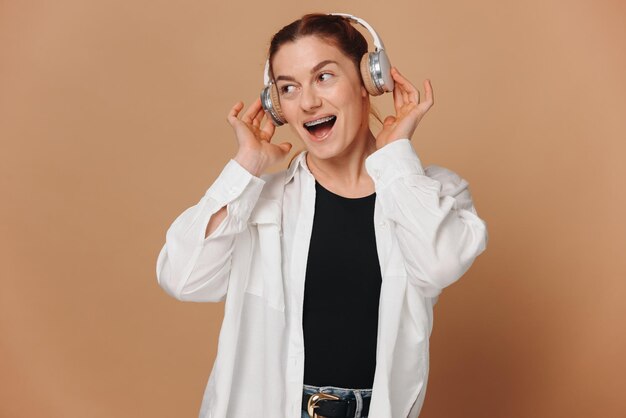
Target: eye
{"points": [[286, 89], [324, 76]]}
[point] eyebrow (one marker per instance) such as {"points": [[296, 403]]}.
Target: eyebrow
{"points": [[313, 70]]}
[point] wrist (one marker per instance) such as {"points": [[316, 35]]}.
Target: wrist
{"points": [[254, 164]]}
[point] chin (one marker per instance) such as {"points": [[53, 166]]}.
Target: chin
{"points": [[321, 154], [329, 150]]}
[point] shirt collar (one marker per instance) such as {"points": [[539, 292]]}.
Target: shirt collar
{"points": [[298, 161]]}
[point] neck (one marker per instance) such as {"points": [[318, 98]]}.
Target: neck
{"points": [[345, 173]]}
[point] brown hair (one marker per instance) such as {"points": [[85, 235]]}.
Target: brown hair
{"points": [[336, 30]]}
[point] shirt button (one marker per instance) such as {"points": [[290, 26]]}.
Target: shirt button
{"points": [[382, 224], [233, 190]]}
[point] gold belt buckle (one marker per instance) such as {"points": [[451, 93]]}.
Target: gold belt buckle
{"points": [[314, 399]]}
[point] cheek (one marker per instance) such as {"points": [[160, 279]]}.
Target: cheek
{"points": [[293, 130], [288, 109]]}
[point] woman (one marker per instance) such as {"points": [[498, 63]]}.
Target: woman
{"points": [[341, 256]]}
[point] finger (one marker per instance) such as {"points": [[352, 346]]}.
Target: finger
{"points": [[405, 94], [429, 101], [252, 111], [407, 86], [428, 88], [398, 101], [256, 121], [285, 147], [234, 112], [399, 78], [268, 130], [401, 86]]}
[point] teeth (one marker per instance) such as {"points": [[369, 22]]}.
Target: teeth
{"points": [[318, 121]]}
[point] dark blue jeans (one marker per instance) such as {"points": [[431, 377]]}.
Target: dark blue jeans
{"points": [[342, 393]]}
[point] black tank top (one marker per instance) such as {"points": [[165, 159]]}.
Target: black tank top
{"points": [[341, 293]]}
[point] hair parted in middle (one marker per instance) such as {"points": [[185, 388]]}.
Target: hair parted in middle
{"points": [[336, 30]]}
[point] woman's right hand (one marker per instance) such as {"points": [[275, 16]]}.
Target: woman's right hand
{"points": [[256, 153]]}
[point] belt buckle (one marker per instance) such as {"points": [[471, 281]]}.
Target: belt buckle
{"points": [[314, 399]]}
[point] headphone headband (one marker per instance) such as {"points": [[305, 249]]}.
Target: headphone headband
{"points": [[266, 73], [378, 43]]}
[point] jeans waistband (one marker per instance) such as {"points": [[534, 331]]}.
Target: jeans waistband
{"points": [[342, 393], [337, 391]]}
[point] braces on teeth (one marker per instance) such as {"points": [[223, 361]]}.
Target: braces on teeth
{"points": [[317, 122]]}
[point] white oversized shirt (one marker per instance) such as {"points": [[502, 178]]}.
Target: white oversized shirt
{"points": [[427, 236]]}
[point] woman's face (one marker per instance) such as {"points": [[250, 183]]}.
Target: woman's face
{"points": [[321, 96]]}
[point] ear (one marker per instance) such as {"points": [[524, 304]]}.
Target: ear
{"points": [[364, 93]]}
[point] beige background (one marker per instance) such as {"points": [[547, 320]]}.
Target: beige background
{"points": [[112, 122]]}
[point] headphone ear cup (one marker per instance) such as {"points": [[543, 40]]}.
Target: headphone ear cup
{"points": [[376, 73], [366, 75], [383, 76], [271, 104], [276, 104]]}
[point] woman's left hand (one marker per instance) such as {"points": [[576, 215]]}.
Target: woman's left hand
{"points": [[409, 110]]}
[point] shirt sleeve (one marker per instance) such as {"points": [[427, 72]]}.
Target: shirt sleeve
{"points": [[191, 267], [432, 214]]}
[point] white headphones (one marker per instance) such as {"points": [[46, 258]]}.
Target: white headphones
{"points": [[375, 71]]}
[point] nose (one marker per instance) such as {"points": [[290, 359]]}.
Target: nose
{"points": [[309, 99]]}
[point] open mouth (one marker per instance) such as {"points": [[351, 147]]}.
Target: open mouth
{"points": [[319, 128]]}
